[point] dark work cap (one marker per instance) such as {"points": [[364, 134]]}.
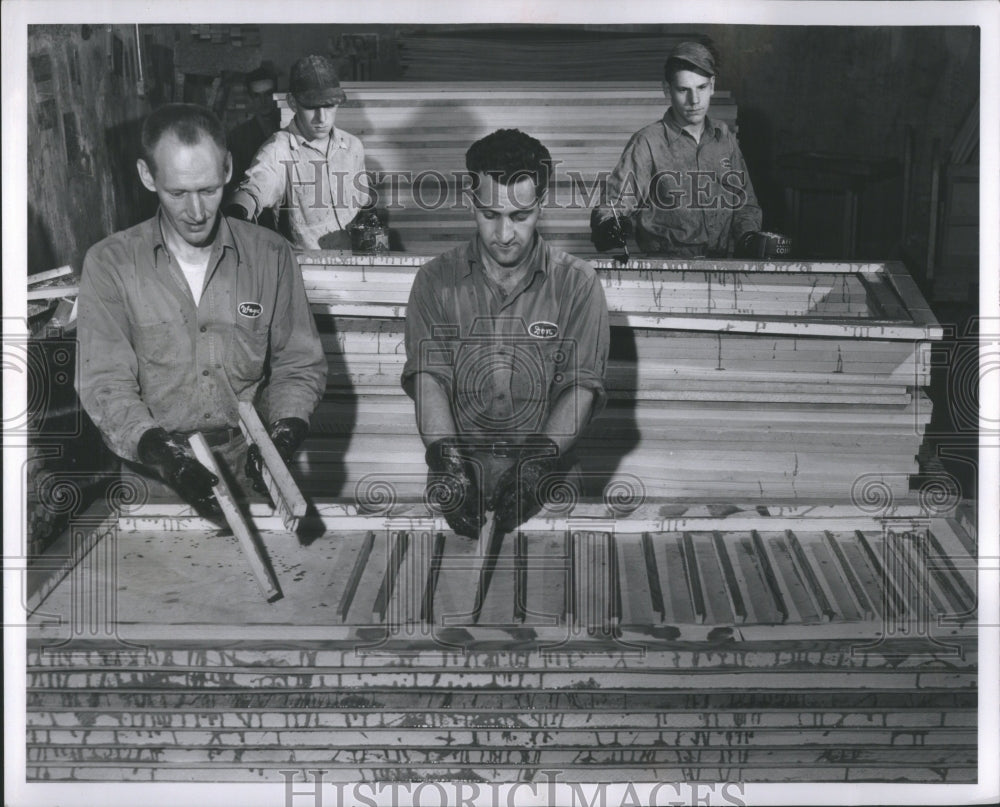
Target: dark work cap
{"points": [[694, 54], [314, 82]]}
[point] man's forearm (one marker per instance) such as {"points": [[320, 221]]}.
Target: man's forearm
{"points": [[434, 418], [568, 417]]}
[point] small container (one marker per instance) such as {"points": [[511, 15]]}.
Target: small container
{"points": [[368, 235]]}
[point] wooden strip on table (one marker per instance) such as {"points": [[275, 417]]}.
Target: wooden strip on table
{"points": [[812, 583], [890, 591], [959, 593], [427, 613], [633, 581], [841, 589], [282, 488], [399, 543], [254, 552], [731, 580], [547, 579], [655, 589], [361, 555], [692, 575], [763, 561]]}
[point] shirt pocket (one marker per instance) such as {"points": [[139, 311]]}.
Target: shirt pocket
{"points": [[161, 348], [246, 355]]}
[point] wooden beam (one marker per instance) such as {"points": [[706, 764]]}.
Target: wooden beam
{"points": [[51, 274], [287, 498], [258, 561]]}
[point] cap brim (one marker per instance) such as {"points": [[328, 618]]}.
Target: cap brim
{"points": [[317, 98], [705, 67]]}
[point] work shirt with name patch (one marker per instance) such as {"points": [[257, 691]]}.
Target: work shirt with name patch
{"points": [[150, 357], [685, 198], [506, 359], [319, 191]]}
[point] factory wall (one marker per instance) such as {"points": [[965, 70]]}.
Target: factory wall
{"points": [[84, 107]]}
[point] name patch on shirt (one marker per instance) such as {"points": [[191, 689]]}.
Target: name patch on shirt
{"points": [[543, 330], [252, 310]]}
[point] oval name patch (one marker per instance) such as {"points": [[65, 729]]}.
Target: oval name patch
{"points": [[252, 310], [543, 330]]}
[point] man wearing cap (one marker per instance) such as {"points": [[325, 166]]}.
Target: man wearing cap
{"points": [[681, 184], [313, 172]]}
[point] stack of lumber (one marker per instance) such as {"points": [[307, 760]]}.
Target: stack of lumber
{"points": [[416, 135], [526, 55], [739, 648], [726, 379]]}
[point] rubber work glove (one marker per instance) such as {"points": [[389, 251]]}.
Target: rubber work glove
{"points": [[193, 482], [451, 487], [609, 234], [757, 244], [517, 496], [287, 435]]}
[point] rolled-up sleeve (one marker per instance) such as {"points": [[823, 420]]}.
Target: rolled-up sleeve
{"points": [[298, 365], [430, 346], [108, 379], [628, 184], [263, 185], [586, 343], [748, 216]]}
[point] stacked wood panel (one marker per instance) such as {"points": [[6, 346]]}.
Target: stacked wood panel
{"points": [[533, 52], [416, 135], [726, 379]]}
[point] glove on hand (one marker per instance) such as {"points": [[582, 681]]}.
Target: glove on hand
{"points": [[517, 496], [757, 244], [287, 435], [452, 489], [608, 234], [171, 460]]}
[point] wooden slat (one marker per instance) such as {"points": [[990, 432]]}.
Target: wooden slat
{"points": [[256, 558], [733, 581], [282, 488], [762, 559]]}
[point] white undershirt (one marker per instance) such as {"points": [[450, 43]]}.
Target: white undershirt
{"points": [[194, 273]]}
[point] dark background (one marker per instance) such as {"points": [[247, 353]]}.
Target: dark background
{"points": [[899, 96]]}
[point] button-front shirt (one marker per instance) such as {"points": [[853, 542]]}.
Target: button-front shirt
{"points": [[689, 198], [321, 190], [149, 356], [506, 359]]}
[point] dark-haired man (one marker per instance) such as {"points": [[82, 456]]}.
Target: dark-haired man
{"points": [[506, 347], [681, 183], [185, 315], [246, 138], [311, 172]]}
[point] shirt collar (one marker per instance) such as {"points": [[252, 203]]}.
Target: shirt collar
{"points": [[224, 238], [673, 128], [299, 139], [535, 261]]}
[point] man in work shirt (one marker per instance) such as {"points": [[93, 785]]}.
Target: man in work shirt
{"points": [[681, 183], [185, 315], [311, 171], [506, 348]]}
